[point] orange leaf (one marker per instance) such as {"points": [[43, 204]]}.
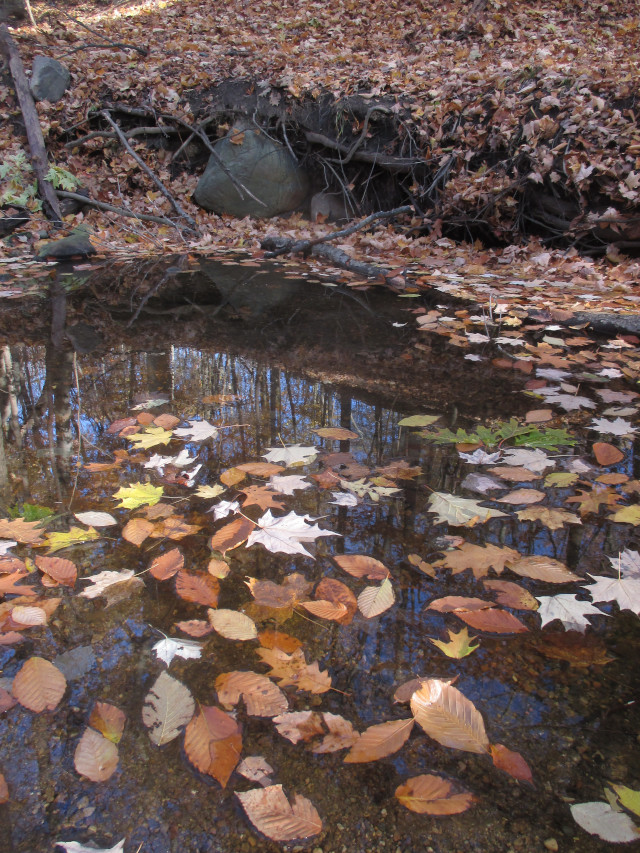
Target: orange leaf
{"points": [[449, 717], [213, 743], [167, 565], [335, 591], [108, 720], [95, 757], [539, 416], [62, 571], [606, 454], [137, 530], [4, 790], [271, 813], [495, 621], [512, 595], [338, 433], [362, 566], [12, 584], [431, 794], [262, 697], [39, 685], [542, 569], [379, 741], [511, 762], [198, 588], [325, 609], [270, 639], [455, 603], [232, 476], [231, 535], [260, 469]]}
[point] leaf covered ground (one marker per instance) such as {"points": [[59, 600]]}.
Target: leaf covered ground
{"points": [[522, 114]]}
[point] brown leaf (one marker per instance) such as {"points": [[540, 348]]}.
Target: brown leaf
{"points": [[270, 639], [551, 517], [108, 720], [195, 627], [337, 433], [166, 421], [606, 454], [293, 670], [495, 621], [270, 812], [11, 564], [95, 756], [137, 530], [512, 595], [299, 726], [175, 528], [60, 570], [39, 685], [232, 476], [511, 762], [449, 717], [335, 591], [341, 734], [260, 469], [25, 532], [406, 690], [329, 610], [379, 741], [434, 795], [538, 416], [167, 565], [198, 588], [477, 558], [523, 496], [515, 474], [218, 568], [362, 566], [576, 648], [213, 743], [261, 696], [116, 426], [542, 569], [454, 603], [4, 790], [13, 584], [261, 496], [231, 535]]}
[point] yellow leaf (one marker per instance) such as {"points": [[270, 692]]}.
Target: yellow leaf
{"points": [[459, 645], [57, 540], [138, 494], [151, 437]]}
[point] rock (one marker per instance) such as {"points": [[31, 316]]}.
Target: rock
{"points": [[263, 166], [77, 244], [329, 207], [49, 79]]}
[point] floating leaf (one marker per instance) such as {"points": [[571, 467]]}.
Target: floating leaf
{"points": [[419, 420], [288, 485], [26, 532], [571, 612], [152, 436], [293, 455], [138, 494], [336, 433], [495, 621], [198, 588], [449, 717], [233, 625], [298, 726], [57, 540], [460, 512], [341, 734], [95, 756], [338, 593], [293, 670], [213, 742], [459, 645], [374, 600], [96, 519], [39, 685], [551, 517], [628, 798], [271, 813], [453, 603], [477, 558], [108, 720], [233, 476], [287, 533], [598, 818], [103, 580], [522, 496], [167, 708], [168, 648], [75, 847], [362, 566], [256, 769], [137, 530], [197, 431], [379, 741], [606, 454], [434, 795], [4, 790], [209, 491], [325, 609], [261, 696], [231, 535], [511, 762], [542, 569], [512, 595], [624, 591], [167, 565], [259, 469]]}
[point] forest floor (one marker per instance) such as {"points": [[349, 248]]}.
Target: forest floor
{"points": [[519, 120]]}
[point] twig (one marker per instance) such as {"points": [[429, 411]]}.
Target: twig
{"points": [[363, 134], [141, 50], [130, 134], [305, 245], [122, 211], [165, 192], [387, 161], [32, 125], [116, 44]]}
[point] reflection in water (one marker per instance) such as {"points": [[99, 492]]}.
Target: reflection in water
{"points": [[269, 362]]}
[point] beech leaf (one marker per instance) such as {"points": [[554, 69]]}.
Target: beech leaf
{"points": [[379, 741], [374, 600], [271, 813], [39, 685], [95, 756], [449, 717], [167, 708], [233, 625], [434, 795]]}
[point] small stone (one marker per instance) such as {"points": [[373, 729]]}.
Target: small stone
{"points": [[551, 844]]}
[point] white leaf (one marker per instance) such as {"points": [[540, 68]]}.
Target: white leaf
{"points": [[5, 545], [374, 600], [294, 455], [364, 489], [167, 708], [197, 431], [480, 457], [103, 580], [625, 591], [627, 563], [75, 847], [168, 648], [459, 512], [481, 483], [571, 612], [568, 402], [598, 818], [617, 427], [552, 373], [287, 485], [344, 499], [96, 519], [225, 508], [479, 338], [159, 463], [256, 769], [286, 533], [533, 460], [190, 476]]}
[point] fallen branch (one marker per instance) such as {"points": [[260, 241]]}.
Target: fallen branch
{"points": [[121, 211], [297, 246], [165, 192], [130, 134], [387, 161], [141, 50], [38, 154]]}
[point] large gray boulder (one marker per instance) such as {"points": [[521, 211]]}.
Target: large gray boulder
{"points": [[49, 79], [261, 165]]}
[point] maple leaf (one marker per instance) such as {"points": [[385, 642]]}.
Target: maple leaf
{"points": [[344, 499], [532, 460], [624, 591], [591, 500], [478, 558], [168, 648], [568, 402], [138, 494], [367, 489], [296, 454], [617, 427], [209, 491], [159, 463], [458, 646], [551, 517], [626, 514], [197, 431], [261, 496], [627, 563], [481, 457], [287, 533], [287, 485], [566, 607], [151, 437], [224, 508], [460, 512]]}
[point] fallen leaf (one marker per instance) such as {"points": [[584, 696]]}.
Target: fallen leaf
{"points": [[168, 707], [95, 756], [231, 535], [512, 595], [168, 648], [103, 580], [298, 726], [293, 670], [541, 568], [460, 512], [259, 469], [286, 534], [108, 720], [511, 762], [571, 612], [213, 743], [262, 698], [271, 813], [75, 847], [137, 530], [624, 591], [449, 717], [362, 566], [197, 431], [551, 517], [289, 484], [606, 454], [39, 685], [256, 769], [495, 621], [433, 795], [4, 790], [198, 588], [522, 496], [57, 540], [138, 494], [96, 519], [598, 818], [25, 532], [335, 591], [341, 734], [296, 454], [454, 603], [379, 741], [458, 646], [336, 433], [167, 565], [374, 600], [233, 625], [477, 558]]}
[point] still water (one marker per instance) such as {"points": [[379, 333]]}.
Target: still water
{"points": [[268, 358]]}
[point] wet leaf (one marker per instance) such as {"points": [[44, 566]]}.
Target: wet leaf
{"points": [[262, 496], [458, 646], [286, 534], [152, 436], [289, 484], [434, 795], [341, 734], [95, 756], [374, 600], [298, 726], [551, 517], [454, 603], [138, 494], [606, 454], [168, 648], [624, 591], [495, 621], [616, 427], [137, 530], [39, 685], [419, 420], [76, 847], [325, 609], [231, 535], [25, 532], [598, 818], [168, 707], [293, 670], [197, 431], [336, 433], [542, 569], [256, 769], [338, 593], [262, 698], [512, 595], [167, 565], [103, 580], [477, 558], [379, 741], [460, 512], [571, 612], [108, 720], [523, 496], [213, 743], [271, 813], [296, 454], [511, 762], [58, 540], [233, 625], [449, 717], [628, 798], [259, 469], [218, 568], [278, 640], [198, 588], [362, 566], [13, 584], [209, 491], [96, 519]]}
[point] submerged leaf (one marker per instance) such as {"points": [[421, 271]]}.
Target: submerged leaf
{"points": [[167, 708], [598, 818], [458, 646], [271, 813], [434, 795], [95, 756], [379, 741], [138, 494]]}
